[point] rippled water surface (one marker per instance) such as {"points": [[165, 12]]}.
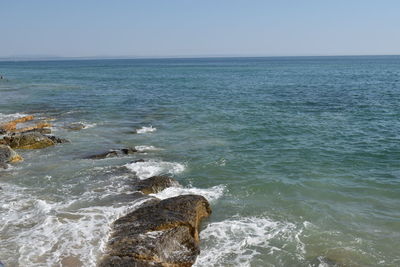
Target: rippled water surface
{"points": [[299, 157]]}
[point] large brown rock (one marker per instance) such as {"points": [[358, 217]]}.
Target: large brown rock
{"points": [[7, 155], [31, 140], [155, 184], [164, 233]]}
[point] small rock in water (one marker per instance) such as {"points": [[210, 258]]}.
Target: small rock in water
{"points": [[138, 160], [74, 126], [113, 153], [3, 166], [128, 151], [8, 155], [164, 233], [155, 184], [58, 140]]}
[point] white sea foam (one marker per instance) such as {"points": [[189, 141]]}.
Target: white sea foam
{"points": [[9, 117], [236, 241], [145, 129], [151, 168], [88, 125], [41, 232], [146, 148], [211, 194]]}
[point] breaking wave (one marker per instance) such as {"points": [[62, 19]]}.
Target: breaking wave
{"points": [[151, 168]]}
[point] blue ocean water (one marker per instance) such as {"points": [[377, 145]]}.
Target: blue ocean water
{"points": [[299, 156]]}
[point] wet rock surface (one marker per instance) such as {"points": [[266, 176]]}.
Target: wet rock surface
{"points": [[155, 184], [113, 153], [163, 233], [12, 126], [40, 130], [31, 140], [8, 155]]}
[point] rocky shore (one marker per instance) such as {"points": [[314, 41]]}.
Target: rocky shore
{"points": [[158, 233]]}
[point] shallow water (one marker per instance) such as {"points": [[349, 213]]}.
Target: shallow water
{"points": [[299, 157]]}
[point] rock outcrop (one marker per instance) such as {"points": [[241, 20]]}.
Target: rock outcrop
{"points": [[155, 184], [164, 233], [7, 155], [31, 140], [113, 153]]}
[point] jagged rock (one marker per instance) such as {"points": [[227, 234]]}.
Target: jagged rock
{"points": [[113, 153], [165, 233], [74, 126], [155, 184], [7, 155], [31, 140]]}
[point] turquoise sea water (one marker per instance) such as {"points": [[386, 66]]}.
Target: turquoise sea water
{"points": [[300, 157]]}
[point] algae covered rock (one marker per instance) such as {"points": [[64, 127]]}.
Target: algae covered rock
{"points": [[31, 140], [165, 233]]}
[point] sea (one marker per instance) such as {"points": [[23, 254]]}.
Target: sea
{"points": [[299, 157]]}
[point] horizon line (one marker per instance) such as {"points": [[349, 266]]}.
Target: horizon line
{"points": [[55, 58]]}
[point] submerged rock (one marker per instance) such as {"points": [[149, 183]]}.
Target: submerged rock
{"points": [[74, 126], [57, 140], [113, 153], [138, 160], [31, 140], [155, 184], [164, 233]]}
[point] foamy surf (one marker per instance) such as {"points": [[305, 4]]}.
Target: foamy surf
{"points": [[72, 233], [211, 194], [237, 241], [9, 117], [146, 148], [87, 125], [151, 168], [145, 129]]}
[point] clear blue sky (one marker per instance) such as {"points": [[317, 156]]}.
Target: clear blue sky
{"points": [[198, 28]]}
